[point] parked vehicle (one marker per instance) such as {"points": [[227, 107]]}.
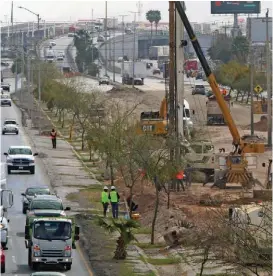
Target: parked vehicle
{"points": [[214, 113], [156, 71], [199, 89], [4, 229]]}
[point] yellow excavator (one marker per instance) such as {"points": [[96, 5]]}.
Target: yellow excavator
{"points": [[155, 123], [236, 162]]}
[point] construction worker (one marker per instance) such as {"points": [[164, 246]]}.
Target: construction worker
{"points": [[114, 199], [179, 179], [105, 200], [188, 175]]}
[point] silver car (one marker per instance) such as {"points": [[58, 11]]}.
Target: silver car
{"points": [[5, 100], [10, 126], [199, 89]]}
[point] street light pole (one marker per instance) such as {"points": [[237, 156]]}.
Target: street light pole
{"points": [[105, 29], [268, 84], [114, 51], [123, 25], [134, 48]]}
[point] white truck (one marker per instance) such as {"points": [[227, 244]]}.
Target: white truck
{"points": [[251, 227], [139, 69], [214, 113], [49, 55], [155, 52]]}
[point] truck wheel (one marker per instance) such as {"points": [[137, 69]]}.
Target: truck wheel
{"points": [[3, 132], [35, 266], [4, 245], [17, 132], [3, 268], [32, 170], [68, 266], [29, 257], [24, 210], [9, 170]]}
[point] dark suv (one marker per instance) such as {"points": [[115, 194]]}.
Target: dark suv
{"points": [[30, 193], [199, 89], [46, 206]]}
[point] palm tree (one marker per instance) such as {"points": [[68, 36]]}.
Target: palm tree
{"points": [[124, 227], [151, 18], [157, 18]]}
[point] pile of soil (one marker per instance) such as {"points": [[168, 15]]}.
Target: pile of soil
{"points": [[261, 125]]}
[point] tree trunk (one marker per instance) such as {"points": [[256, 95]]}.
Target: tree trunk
{"points": [[90, 153], [63, 119], [168, 198], [120, 253], [156, 28], [205, 259], [71, 127], [155, 214], [83, 132], [131, 195], [60, 116], [112, 173]]}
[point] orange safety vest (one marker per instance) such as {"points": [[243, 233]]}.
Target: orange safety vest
{"points": [[180, 175]]}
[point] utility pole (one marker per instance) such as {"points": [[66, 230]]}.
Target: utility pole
{"points": [[179, 81], [23, 54], [251, 68], [12, 30], [39, 93], [105, 45], [268, 84], [114, 51], [171, 97], [28, 82], [123, 35], [92, 35], [134, 49]]}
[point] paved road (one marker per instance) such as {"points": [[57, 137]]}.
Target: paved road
{"points": [[88, 83], [16, 255]]}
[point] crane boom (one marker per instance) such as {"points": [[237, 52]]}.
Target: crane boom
{"points": [[210, 76]]}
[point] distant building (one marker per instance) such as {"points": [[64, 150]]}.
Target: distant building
{"points": [[206, 28], [197, 28]]}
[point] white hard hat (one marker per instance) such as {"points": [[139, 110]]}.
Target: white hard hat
{"points": [[113, 187], [105, 188]]}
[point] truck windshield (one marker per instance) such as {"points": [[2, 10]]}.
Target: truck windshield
{"points": [[46, 205], [24, 151], [52, 230]]}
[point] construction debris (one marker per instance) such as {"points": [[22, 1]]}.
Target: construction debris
{"points": [[261, 125]]}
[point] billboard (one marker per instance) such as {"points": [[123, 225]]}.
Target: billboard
{"points": [[258, 29], [231, 7]]}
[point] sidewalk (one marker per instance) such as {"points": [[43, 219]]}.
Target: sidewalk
{"points": [[68, 175]]}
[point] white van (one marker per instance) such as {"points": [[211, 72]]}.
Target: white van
{"points": [[187, 117]]}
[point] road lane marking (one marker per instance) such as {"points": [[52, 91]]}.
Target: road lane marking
{"points": [[84, 260], [13, 259]]}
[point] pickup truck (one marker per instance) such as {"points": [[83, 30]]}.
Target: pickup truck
{"points": [[49, 242]]}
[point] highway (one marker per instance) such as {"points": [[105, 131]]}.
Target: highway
{"points": [[16, 255], [88, 84]]}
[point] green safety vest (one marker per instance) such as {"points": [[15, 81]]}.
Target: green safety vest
{"points": [[104, 197], [114, 196]]}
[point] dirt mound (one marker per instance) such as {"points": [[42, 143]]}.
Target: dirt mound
{"points": [[261, 125]]}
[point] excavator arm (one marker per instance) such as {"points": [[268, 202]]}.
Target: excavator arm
{"points": [[242, 145]]}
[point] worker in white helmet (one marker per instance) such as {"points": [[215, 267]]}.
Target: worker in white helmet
{"points": [[105, 200], [114, 199]]}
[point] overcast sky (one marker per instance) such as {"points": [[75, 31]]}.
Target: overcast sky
{"points": [[59, 10]]}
